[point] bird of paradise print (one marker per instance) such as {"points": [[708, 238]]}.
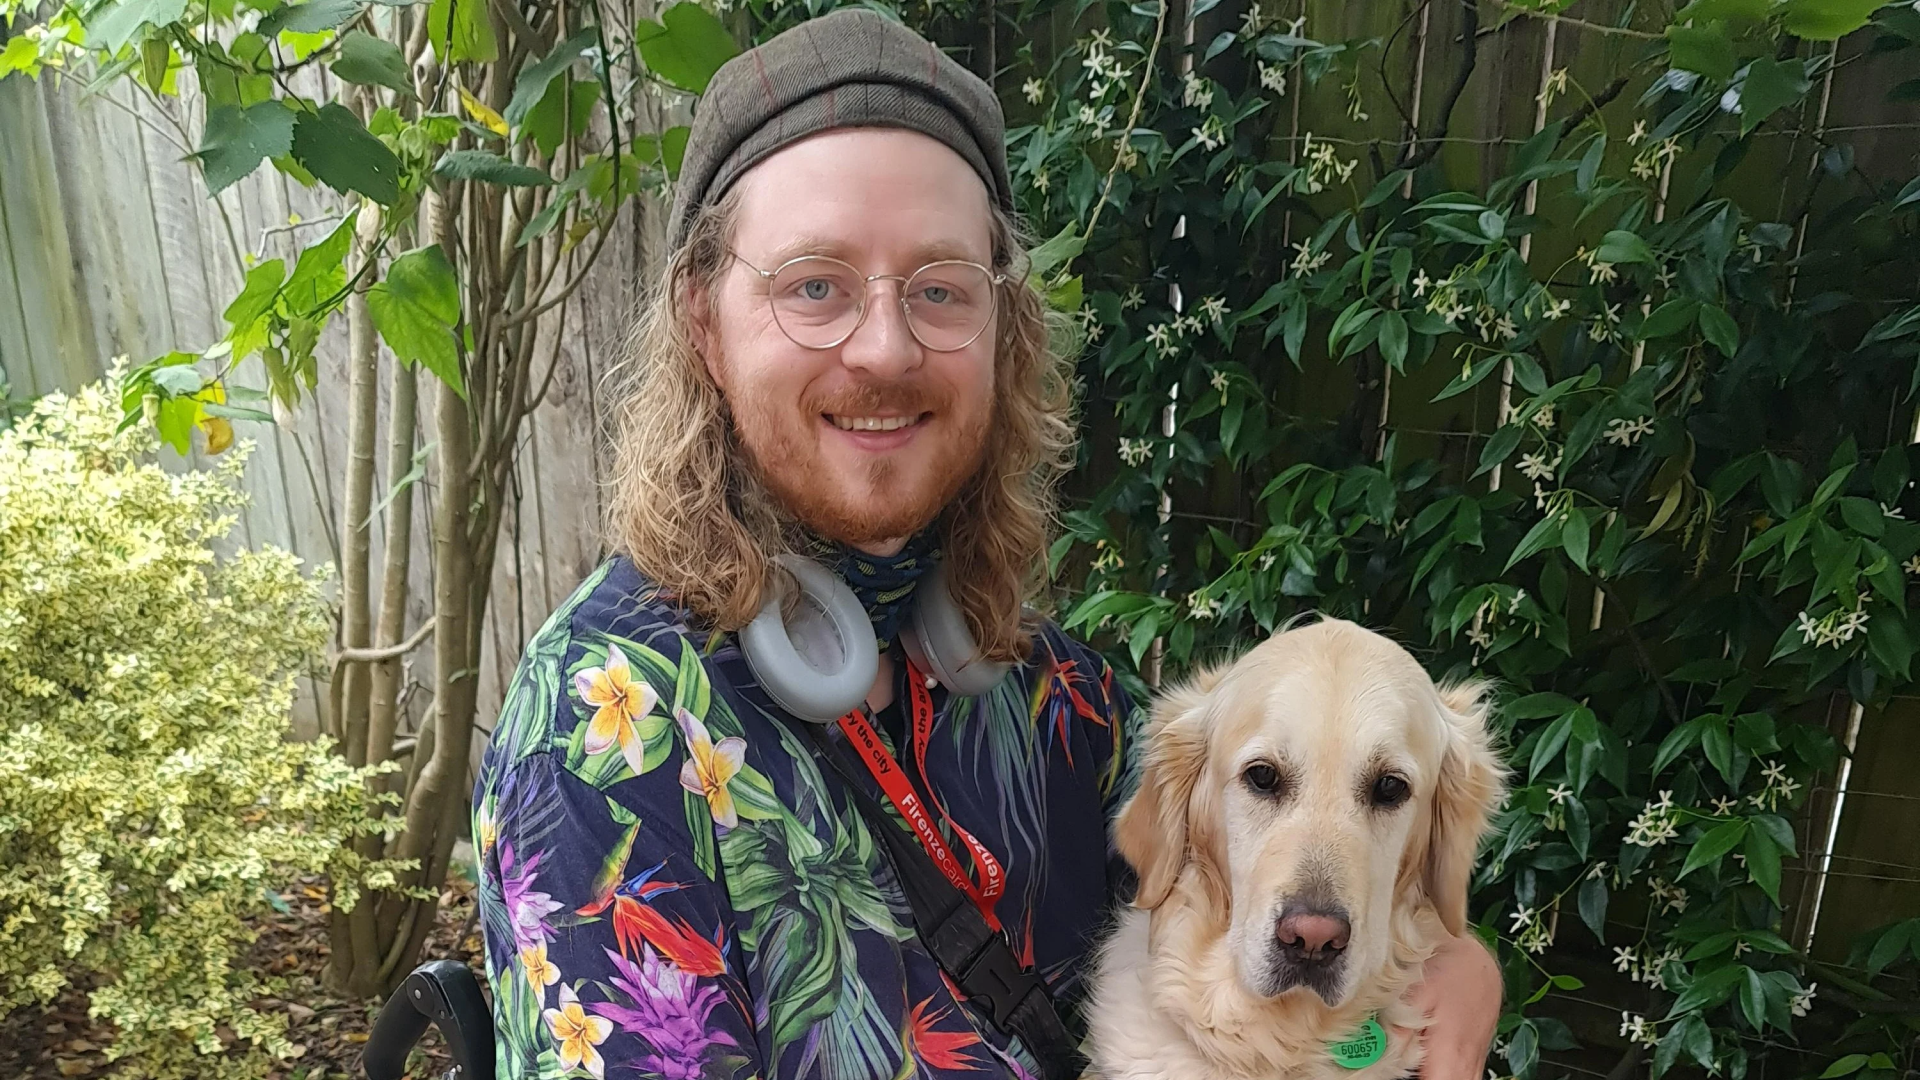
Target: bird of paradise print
{"points": [[1058, 698], [942, 1050]]}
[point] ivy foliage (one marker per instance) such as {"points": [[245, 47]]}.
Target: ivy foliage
{"points": [[1615, 412], [149, 796]]}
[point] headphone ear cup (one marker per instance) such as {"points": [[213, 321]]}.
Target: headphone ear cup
{"points": [[820, 663], [938, 641]]}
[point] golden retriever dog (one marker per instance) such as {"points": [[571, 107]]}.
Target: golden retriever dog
{"points": [[1305, 826]]}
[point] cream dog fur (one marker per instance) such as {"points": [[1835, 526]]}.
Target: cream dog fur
{"points": [[1322, 772]]}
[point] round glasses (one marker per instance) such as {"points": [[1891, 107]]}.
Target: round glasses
{"points": [[818, 302]]}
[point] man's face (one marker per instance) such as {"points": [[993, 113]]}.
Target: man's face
{"points": [[814, 421]]}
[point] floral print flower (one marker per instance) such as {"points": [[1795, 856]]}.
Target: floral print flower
{"points": [[711, 766], [620, 701], [527, 907], [669, 1009], [578, 1033], [541, 972]]}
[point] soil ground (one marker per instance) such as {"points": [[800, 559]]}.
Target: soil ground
{"points": [[60, 1042]]}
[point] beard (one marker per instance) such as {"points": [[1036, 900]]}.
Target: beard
{"points": [[887, 497]]}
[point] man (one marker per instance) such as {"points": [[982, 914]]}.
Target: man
{"points": [[844, 361]]}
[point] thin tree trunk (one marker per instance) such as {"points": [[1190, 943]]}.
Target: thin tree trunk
{"points": [[349, 969], [434, 806], [383, 713]]}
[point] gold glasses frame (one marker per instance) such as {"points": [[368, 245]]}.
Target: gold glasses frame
{"points": [[860, 313]]}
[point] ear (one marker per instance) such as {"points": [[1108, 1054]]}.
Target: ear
{"points": [[697, 303], [1151, 831], [1470, 786]]}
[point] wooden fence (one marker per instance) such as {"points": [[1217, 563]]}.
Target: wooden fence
{"points": [[109, 246]]}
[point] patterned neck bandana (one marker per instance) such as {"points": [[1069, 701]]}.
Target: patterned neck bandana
{"points": [[883, 584]]}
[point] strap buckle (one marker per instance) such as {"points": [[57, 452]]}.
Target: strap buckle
{"points": [[994, 978]]}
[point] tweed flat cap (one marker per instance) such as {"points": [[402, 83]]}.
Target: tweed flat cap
{"points": [[851, 68]]}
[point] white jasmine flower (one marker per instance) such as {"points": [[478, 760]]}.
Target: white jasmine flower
{"points": [[1034, 90]]}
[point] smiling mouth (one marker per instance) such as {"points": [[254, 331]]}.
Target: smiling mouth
{"points": [[873, 423]]}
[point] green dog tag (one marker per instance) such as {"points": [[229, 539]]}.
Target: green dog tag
{"points": [[1366, 1045]]}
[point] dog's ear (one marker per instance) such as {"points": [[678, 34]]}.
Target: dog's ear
{"points": [[1151, 831], [1470, 785]]}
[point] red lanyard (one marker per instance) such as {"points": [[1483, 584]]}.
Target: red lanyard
{"points": [[893, 780]]}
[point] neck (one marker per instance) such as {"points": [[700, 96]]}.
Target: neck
{"points": [[885, 549], [883, 576]]}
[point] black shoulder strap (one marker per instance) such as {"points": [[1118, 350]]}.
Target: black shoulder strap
{"points": [[976, 958]]}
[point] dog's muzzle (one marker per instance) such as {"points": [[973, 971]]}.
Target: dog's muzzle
{"points": [[1309, 948]]}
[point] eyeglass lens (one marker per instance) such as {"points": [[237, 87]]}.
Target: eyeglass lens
{"points": [[818, 302]]}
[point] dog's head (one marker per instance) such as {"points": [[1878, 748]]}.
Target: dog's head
{"points": [[1313, 788]]}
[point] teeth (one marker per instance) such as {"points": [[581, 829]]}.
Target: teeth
{"points": [[871, 423]]}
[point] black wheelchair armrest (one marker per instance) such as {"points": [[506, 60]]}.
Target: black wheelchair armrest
{"points": [[445, 994]]}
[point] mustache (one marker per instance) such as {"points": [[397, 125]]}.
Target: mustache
{"points": [[909, 396]]}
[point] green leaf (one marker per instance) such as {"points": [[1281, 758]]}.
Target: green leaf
{"points": [[1717, 842], [1827, 20], [1863, 516], [564, 113], [371, 61], [1590, 163], [1669, 318], [1575, 534], [237, 140], [1888, 949], [1707, 990], [1763, 864], [116, 25], [1552, 741], [489, 167], [1677, 742], [532, 84], [320, 275], [1620, 246], [1539, 706], [1593, 905], [255, 299], [1703, 48], [1770, 86], [416, 309], [1753, 1000], [1846, 1066], [685, 47], [1499, 447], [1544, 534], [309, 18], [1393, 339], [1056, 251], [1719, 329], [175, 422], [1737, 10], [462, 30], [334, 146]]}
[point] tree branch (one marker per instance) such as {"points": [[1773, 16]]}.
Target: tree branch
{"points": [[1413, 158], [390, 652]]}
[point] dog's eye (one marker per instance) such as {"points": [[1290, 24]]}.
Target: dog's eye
{"points": [[1262, 778], [1389, 791]]}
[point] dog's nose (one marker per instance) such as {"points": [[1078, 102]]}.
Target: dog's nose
{"points": [[1314, 935]]}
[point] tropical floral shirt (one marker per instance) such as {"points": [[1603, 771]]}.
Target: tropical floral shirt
{"points": [[673, 885]]}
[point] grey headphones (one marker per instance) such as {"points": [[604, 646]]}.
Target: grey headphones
{"points": [[819, 663]]}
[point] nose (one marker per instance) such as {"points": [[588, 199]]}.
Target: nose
{"points": [[882, 344], [1313, 935]]}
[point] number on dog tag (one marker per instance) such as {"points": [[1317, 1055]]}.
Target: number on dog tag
{"points": [[1365, 1046]]}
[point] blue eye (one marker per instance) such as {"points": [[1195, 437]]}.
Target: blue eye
{"points": [[816, 289], [935, 294]]}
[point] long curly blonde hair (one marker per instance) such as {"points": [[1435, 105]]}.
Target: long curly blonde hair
{"points": [[686, 507]]}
